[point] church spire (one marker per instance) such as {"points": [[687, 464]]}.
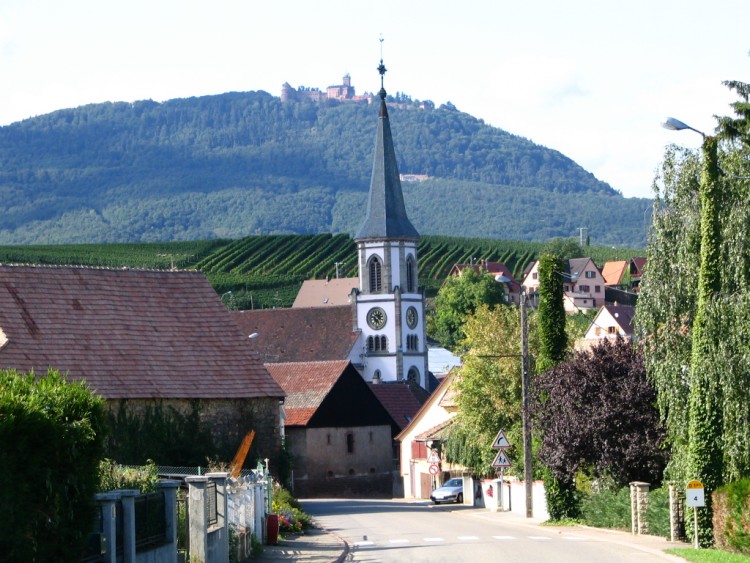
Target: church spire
{"points": [[386, 212]]}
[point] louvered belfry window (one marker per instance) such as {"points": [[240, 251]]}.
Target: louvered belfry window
{"points": [[376, 278]]}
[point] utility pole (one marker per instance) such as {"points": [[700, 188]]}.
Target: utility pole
{"points": [[528, 471], [581, 230], [337, 268]]}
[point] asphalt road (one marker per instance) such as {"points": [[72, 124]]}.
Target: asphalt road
{"points": [[395, 530]]}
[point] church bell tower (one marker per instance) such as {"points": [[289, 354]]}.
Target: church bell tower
{"points": [[389, 303]]}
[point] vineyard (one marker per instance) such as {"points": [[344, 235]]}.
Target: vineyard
{"points": [[267, 271]]}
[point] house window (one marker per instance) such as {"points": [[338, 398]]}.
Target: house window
{"points": [[590, 275], [611, 330], [535, 276], [349, 443], [584, 288], [328, 439], [410, 281], [567, 288], [376, 278], [597, 289], [598, 331]]}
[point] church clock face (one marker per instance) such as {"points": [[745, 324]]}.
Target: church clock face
{"points": [[411, 317], [376, 318]]}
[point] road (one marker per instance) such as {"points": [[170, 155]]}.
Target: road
{"points": [[395, 530]]}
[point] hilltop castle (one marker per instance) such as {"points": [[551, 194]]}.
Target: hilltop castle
{"points": [[340, 92]]}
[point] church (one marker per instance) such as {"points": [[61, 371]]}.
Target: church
{"points": [[379, 324]]}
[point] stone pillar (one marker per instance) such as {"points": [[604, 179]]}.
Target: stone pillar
{"points": [[169, 488], [638, 506], [127, 497], [198, 518], [108, 506], [221, 546]]}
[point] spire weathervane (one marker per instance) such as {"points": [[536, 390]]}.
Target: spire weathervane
{"points": [[381, 70]]}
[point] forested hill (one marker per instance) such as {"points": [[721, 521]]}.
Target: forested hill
{"points": [[244, 163]]}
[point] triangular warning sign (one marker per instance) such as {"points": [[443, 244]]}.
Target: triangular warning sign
{"points": [[501, 460], [501, 441], [433, 457]]}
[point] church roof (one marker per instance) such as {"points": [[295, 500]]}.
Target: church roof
{"points": [[300, 334], [131, 334], [386, 212]]}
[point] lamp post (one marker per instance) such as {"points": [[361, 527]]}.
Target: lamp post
{"points": [[528, 470], [705, 455]]}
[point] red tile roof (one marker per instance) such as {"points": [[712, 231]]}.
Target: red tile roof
{"points": [[325, 293], [613, 271], [129, 333], [306, 384], [402, 399], [300, 335]]}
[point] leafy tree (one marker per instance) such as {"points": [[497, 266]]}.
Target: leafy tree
{"points": [[488, 390], [51, 434], [597, 413], [459, 297], [691, 326], [564, 248]]}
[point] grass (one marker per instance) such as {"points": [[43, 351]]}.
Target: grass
{"points": [[708, 555]]}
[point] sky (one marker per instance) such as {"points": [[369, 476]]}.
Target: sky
{"points": [[592, 79]]}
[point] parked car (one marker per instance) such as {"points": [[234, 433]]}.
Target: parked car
{"points": [[451, 491]]}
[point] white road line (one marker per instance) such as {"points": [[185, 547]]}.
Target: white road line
{"points": [[468, 538], [399, 541], [504, 537], [540, 538], [363, 543], [434, 539]]}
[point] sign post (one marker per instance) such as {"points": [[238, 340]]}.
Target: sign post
{"points": [[695, 497]]}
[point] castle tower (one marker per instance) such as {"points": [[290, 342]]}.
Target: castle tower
{"points": [[389, 303]]}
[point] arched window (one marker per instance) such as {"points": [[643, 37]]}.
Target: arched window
{"points": [[412, 342], [376, 277], [370, 344], [350, 443], [411, 285], [413, 374], [383, 344], [377, 344]]}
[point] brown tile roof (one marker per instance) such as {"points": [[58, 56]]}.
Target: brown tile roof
{"points": [[325, 293], [306, 384], [613, 271], [435, 433], [300, 335], [402, 399], [129, 333]]}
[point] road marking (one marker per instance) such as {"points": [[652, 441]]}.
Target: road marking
{"points": [[434, 539], [468, 538], [540, 538], [504, 537], [363, 543], [398, 541]]}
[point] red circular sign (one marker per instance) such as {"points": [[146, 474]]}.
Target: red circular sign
{"points": [[434, 469]]}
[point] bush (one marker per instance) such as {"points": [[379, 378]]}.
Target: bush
{"points": [[732, 516], [657, 514], [113, 476], [607, 509], [291, 517], [51, 436]]}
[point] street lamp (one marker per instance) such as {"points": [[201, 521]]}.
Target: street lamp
{"points": [[528, 470], [223, 295], [676, 125]]}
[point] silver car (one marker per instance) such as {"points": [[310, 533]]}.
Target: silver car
{"points": [[451, 491]]}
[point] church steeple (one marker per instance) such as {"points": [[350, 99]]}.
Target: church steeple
{"points": [[386, 212]]}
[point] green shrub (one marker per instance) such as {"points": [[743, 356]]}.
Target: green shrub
{"points": [[563, 499], [113, 476], [289, 510], [732, 516], [607, 508], [657, 514], [51, 436]]}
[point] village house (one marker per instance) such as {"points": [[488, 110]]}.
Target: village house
{"points": [[583, 284], [610, 323], [141, 339]]}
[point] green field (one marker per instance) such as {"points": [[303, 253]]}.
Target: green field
{"points": [[267, 271]]}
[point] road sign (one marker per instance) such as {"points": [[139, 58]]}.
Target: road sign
{"points": [[695, 495], [500, 441], [434, 457], [501, 460], [434, 469]]}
